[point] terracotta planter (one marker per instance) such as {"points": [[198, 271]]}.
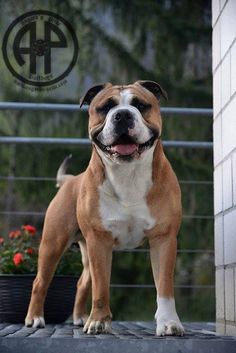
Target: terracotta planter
{"points": [[15, 291]]}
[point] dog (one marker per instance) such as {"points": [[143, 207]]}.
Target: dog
{"points": [[127, 193]]}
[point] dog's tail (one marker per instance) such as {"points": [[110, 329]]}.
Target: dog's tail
{"points": [[62, 177]]}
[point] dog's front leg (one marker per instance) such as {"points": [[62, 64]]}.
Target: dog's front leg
{"points": [[99, 246], [163, 255]]}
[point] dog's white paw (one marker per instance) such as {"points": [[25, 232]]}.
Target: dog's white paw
{"points": [[36, 322], [93, 327], [169, 328], [80, 321], [168, 322]]}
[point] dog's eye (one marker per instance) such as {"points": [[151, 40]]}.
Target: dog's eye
{"points": [[104, 109], [141, 106]]}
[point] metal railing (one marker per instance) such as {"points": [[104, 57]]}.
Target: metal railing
{"points": [[76, 107], [85, 141]]}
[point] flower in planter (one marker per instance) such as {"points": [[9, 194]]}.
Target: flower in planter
{"points": [[19, 254], [29, 251], [15, 234], [18, 258], [30, 229]]}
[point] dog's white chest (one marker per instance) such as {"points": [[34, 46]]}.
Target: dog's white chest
{"points": [[126, 223], [123, 207]]}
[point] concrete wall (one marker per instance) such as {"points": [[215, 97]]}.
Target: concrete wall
{"points": [[224, 101]]}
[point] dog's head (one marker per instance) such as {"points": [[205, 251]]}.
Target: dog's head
{"points": [[124, 121]]}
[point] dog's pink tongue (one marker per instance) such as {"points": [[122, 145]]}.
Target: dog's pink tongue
{"points": [[124, 149]]}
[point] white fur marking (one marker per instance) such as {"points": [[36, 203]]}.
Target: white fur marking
{"points": [[95, 327], [80, 321], [168, 322], [39, 322], [123, 206], [126, 97]]}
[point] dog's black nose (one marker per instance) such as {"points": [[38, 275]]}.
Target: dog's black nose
{"points": [[123, 120], [123, 115]]}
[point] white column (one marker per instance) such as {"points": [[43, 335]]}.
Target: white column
{"points": [[224, 129]]}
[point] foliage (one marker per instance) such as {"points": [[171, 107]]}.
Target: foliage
{"points": [[19, 254]]}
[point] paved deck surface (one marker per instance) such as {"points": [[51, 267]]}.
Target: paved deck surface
{"points": [[127, 337]]}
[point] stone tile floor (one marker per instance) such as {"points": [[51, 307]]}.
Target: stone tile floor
{"points": [[126, 337]]}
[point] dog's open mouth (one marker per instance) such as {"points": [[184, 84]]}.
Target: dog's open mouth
{"points": [[126, 146]]}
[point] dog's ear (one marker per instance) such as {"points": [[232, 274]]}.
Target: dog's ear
{"points": [[155, 88], [91, 93]]}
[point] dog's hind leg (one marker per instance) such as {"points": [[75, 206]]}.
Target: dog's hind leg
{"points": [[83, 289]]}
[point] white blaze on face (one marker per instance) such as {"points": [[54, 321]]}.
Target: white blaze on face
{"points": [[140, 130], [126, 97]]}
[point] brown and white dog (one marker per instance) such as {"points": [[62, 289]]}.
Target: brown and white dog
{"points": [[128, 192]]}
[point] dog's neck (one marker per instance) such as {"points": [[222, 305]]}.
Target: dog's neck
{"points": [[128, 182]]}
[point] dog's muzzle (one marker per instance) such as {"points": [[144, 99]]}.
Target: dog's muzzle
{"points": [[124, 134]]}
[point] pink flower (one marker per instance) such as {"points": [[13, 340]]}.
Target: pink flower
{"points": [[1, 240], [29, 251], [29, 229], [18, 258], [15, 234]]}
